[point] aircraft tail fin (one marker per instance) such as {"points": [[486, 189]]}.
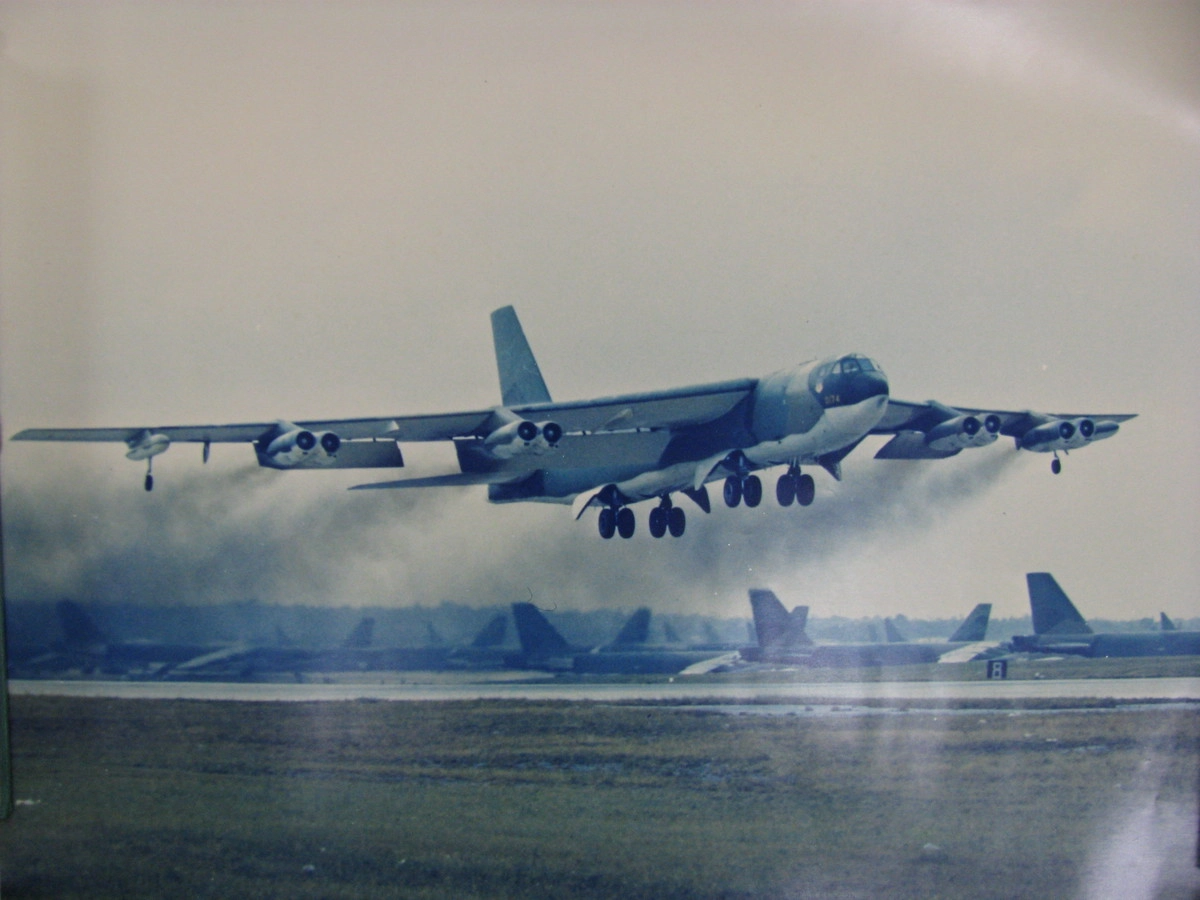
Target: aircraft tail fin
{"points": [[774, 627], [80, 631], [893, 633], [492, 634], [1165, 622], [360, 637], [797, 623], [521, 380], [538, 637], [1053, 612], [770, 617], [974, 626], [637, 629]]}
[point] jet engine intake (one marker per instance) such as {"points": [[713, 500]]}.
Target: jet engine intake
{"points": [[962, 432], [298, 447], [522, 437]]}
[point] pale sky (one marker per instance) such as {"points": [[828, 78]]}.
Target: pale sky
{"points": [[223, 212]]}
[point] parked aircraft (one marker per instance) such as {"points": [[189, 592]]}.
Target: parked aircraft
{"points": [[782, 640], [543, 647], [1059, 628], [617, 451], [87, 648], [355, 654]]}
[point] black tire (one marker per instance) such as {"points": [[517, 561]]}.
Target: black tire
{"points": [[608, 523], [785, 489], [658, 522], [752, 490], [626, 523], [149, 482], [676, 521], [733, 491], [1055, 466], [806, 490]]}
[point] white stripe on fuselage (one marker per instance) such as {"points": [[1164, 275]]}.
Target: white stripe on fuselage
{"points": [[838, 427]]}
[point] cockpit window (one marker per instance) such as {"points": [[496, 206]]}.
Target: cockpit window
{"points": [[849, 366]]}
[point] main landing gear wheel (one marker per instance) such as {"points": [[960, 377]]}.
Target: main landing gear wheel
{"points": [[785, 489], [806, 490], [667, 517], [752, 490], [626, 523], [793, 485], [733, 491], [1055, 466], [608, 522]]}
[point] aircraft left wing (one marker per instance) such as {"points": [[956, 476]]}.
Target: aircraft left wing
{"points": [[933, 430]]}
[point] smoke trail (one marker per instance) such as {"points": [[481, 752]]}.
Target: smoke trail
{"points": [[248, 533]]}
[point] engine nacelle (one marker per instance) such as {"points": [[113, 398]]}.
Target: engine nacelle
{"points": [[962, 432], [1056, 435], [300, 447], [147, 445], [521, 437], [1067, 434]]}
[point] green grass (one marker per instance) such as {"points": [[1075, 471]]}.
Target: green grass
{"points": [[524, 799]]}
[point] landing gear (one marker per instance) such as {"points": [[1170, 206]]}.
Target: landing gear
{"points": [[733, 491], [793, 485], [667, 517], [616, 520], [1056, 464], [626, 523], [748, 489], [149, 477], [608, 522]]}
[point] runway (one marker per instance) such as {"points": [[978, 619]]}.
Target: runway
{"points": [[1122, 689]]}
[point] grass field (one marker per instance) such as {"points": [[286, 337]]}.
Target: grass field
{"points": [[511, 799]]}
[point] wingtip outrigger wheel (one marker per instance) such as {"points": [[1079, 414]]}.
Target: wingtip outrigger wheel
{"points": [[149, 475], [1056, 464]]}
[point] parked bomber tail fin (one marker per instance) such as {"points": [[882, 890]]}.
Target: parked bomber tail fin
{"points": [[637, 629], [1053, 612], [360, 637], [538, 637], [492, 634], [893, 633], [974, 627], [80, 631], [1165, 622], [773, 626], [520, 378]]}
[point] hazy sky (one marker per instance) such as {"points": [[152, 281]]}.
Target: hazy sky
{"points": [[221, 212]]}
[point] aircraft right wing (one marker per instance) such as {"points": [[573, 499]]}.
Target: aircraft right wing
{"points": [[933, 430]]}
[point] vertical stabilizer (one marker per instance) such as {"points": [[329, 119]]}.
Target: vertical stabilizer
{"points": [[797, 636], [520, 378], [893, 633], [538, 637], [770, 618], [1053, 612], [1165, 622], [636, 630], [492, 634], [360, 637], [974, 626], [80, 631]]}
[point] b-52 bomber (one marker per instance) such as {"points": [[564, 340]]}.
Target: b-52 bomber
{"points": [[616, 451]]}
